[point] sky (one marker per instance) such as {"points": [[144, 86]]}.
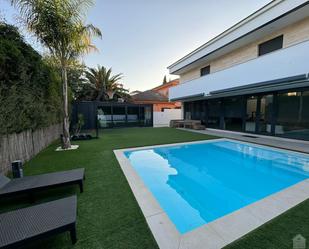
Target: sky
{"points": [[141, 38]]}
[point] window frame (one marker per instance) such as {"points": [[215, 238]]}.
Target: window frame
{"points": [[271, 45], [207, 68]]}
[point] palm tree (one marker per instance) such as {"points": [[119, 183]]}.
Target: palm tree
{"points": [[104, 84], [59, 26]]}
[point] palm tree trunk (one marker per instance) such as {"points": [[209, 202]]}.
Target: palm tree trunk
{"points": [[66, 143], [101, 94]]}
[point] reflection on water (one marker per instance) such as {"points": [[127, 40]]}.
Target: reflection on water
{"points": [[199, 183]]}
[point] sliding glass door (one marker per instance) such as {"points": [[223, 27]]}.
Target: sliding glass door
{"points": [[233, 113], [251, 111], [293, 115], [265, 114], [284, 114], [214, 114]]}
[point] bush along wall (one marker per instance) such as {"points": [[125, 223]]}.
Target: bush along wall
{"points": [[30, 88]]}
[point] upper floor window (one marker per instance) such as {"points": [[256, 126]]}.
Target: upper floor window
{"points": [[205, 70], [271, 45]]}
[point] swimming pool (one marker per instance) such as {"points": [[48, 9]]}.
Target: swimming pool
{"points": [[199, 183]]}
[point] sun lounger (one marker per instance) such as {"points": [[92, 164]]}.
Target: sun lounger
{"points": [[31, 184], [38, 222]]}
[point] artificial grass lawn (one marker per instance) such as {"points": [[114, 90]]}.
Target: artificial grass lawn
{"points": [[279, 232], [109, 216]]}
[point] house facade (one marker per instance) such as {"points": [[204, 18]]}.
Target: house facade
{"points": [[158, 97], [254, 76]]}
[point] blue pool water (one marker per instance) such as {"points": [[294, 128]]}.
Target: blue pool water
{"points": [[198, 183]]}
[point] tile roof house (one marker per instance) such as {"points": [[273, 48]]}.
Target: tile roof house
{"points": [[158, 96]]}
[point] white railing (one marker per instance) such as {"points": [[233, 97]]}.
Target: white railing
{"points": [[287, 62]]}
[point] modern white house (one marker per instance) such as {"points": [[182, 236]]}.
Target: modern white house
{"points": [[253, 77]]}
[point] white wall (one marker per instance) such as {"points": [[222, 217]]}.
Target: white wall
{"points": [[162, 119], [262, 17], [280, 64]]}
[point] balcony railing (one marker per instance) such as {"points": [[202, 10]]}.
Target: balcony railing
{"points": [[284, 63]]}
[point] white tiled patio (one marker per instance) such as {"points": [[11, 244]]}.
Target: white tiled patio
{"points": [[283, 143]]}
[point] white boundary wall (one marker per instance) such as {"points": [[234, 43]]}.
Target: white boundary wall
{"points": [[162, 119]]}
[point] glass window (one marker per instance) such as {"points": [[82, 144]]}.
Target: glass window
{"points": [[233, 113], [146, 116], [293, 115], [119, 115], [250, 124], [198, 112], [266, 107], [133, 115], [214, 112], [271, 45], [105, 117], [188, 108], [205, 70]]}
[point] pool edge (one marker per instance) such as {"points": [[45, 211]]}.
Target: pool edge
{"points": [[219, 232]]}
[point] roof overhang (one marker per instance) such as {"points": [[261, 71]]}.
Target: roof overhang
{"points": [[190, 97], [286, 68], [296, 82], [269, 19]]}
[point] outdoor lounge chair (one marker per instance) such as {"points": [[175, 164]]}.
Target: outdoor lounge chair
{"points": [[31, 184], [37, 222]]}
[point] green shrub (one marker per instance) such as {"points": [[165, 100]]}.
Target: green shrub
{"points": [[29, 88]]}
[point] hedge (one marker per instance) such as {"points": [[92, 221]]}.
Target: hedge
{"points": [[30, 88]]}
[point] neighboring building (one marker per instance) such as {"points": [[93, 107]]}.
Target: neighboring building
{"points": [[158, 97], [135, 92], [254, 76]]}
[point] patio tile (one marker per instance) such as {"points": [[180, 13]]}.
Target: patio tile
{"points": [[235, 225], [147, 203], [294, 195], [284, 143], [268, 208], [204, 237], [164, 231]]}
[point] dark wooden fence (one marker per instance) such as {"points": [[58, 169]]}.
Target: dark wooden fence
{"points": [[25, 145]]}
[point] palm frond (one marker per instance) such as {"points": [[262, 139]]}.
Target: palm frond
{"points": [[59, 25], [102, 81]]}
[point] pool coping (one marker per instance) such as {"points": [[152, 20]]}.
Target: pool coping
{"points": [[221, 231]]}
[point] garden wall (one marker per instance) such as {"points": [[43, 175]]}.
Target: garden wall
{"points": [[162, 119], [25, 145]]}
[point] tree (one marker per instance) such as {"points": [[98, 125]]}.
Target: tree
{"points": [[30, 89], [76, 76], [104, 84], [164, 80], [59, 26]]}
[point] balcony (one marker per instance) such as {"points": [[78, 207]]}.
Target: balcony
{"points": [[288, 63]]}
